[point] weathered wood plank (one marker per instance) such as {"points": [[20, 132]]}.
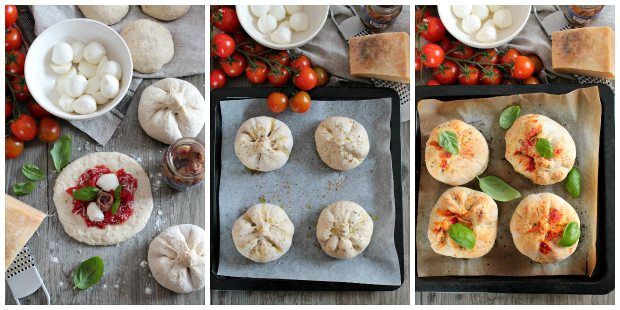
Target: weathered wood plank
{"points": [[426, 298]]}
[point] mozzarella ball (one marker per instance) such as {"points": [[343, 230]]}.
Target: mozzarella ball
{"points": [[87, 69], [108, 182], [267, 23], [277, 11], [61, 69], [487, 33], [94, 213], [75, 85], [461, 11], [495, 8], [65, 102], [78, 51], [93, 85], [471, 24], [62, 53], [292, 9], [110, 67], [299, 21], [282, 35], [85, 104], [481, 11], [60, 81], [109, 86], [259, 10], [99, 98], [502, 19], [93, 52]]}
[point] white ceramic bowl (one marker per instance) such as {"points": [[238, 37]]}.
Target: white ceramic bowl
{"points": [[41, 79], [520, 14], [317, 15]]}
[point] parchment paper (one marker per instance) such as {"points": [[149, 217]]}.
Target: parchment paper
{"points": [[304, 186], [580, 113]]}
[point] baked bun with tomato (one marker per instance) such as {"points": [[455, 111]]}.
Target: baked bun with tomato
{"points": [[473, 212], [538, 226], [461, 164], [540, 149]]}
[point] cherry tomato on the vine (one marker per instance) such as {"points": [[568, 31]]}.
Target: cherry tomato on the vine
{"points": [[36, 110], [491, 76], [431, 28], [20, 88], [281, 57], [223, 45], [8, 107], [470, 75], [510, 56], [322, 77], [531, 81], [523, 68], [300, 62], [218, 79], [248, 44], [305, 79], [432, 55], [256, 72], [488, 56], [14, 62], [12, 39], [277, 102], [225, 19], [300, 103], [49, 130], [10, 15], [234, 65], [462, 51], [538, 65], [12, 147], [278, 77], [447, 73], [418, 63], [24, 127], [447, 44]]}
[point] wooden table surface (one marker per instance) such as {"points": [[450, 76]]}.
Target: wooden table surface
{"points": [[126, 280]]}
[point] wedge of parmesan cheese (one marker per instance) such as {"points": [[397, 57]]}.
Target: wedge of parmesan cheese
{"points": [[585, 51], [21, 222], [382, 56]]}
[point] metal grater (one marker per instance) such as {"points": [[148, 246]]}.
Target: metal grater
{"points": [[23, 277]]}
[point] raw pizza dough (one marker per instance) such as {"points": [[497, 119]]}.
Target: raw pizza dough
{"points": [[344, 229], [150, 45], [165, 12], [263, 143], [75, 226], [342, 143], [107, 14]]}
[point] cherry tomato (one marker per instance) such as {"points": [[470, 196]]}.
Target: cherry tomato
{"points": [[491, 76], [223, 45], [531, 81], [8, 107], [510, 56], [12, 39], [24, 128], [447, 73], [306, 79], [281, 57], [20, 89], [14, 62], [462, 51], [225, 19], [300, 103], [418, 63], [234, 65], [447, 44], [49, 130], [470, 75], [36, 110], [279, 77], [10, 15], [538, 65], [432, 83], [248, 44], [277, 102], [431, 28], [12, 147], [300, 62], [432, 55], [322, 77], [218, 79], [523, 68], [256, 72], [418, 15], [488, 56]]}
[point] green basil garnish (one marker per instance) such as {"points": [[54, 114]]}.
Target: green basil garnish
{"points": [[61, 152], [449, 141], [88, 193], [498, 189], [462, 235], [32, 172], [544, 148], [88, 273], [573, 182], [571, 234], [22, 189], [509, 116], [117, 199]]}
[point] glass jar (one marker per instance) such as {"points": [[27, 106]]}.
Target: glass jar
{"points": [[582, 15], [377, 18], [184, 164]]}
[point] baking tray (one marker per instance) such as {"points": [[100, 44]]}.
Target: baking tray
{"points": [[602, 280], [325, 94]]}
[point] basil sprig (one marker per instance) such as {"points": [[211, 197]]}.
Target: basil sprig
{"points": [[573, 182], [88, 273], [571, 234], [88, 193], [117, 199], [22, 189], [61, 152], [449, 141], [544, 148], [498, 189], [32, 172], [462, 235], [509, 116]]}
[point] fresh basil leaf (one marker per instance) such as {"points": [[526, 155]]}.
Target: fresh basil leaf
{"points": [[61, 152], [571, 234], [22, 189], [449, 141], [573, 182], [88, 193], [462, 235], [88, 273], [509, 116], [32, 172], [498, 189], [544, 148], [117, 199]]}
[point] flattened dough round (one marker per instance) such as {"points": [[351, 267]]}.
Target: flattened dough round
{"points": [[471, 160], [471, 208], [107, 14], [537, 226], [263, 143], [263, 233], [521, 141], [344, 229], [150, 45], [165, 12], [74, 224], [342, 143]]}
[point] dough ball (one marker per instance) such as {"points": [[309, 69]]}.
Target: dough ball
{"points": [[107, 14], [86, 104], [78, 51], [502, 19], [278, 11], [61, 69], [62, 54], [165, 12], [259, 10], [110, 67], [109, 86], [487, 33], [282, 35], [292, 9], [471, 24], [267, 23], [474, 209], [65, 102], [521, 152], [94, 52], [342, 143], [495, 8], [263, 143], [537, 226], [481, 11], [344, 229], [461, 11], [87, 69], [75, 85], [150, 45], [299, 21], [471, 160], [263, 233]]}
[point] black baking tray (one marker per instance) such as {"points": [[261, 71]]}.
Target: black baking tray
{"points": [[323, 94], [602, 280]]}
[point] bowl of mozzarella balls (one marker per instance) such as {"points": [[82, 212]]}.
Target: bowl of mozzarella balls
{"points": [[282, 27], [78, 69], [484, 26]]}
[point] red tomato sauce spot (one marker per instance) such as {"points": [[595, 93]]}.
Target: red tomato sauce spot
{"points": [[554, 216], [544, 248]]}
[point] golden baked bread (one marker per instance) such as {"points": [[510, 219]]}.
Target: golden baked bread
{"points": [[383, 56], [585, 51], [20, 223]]}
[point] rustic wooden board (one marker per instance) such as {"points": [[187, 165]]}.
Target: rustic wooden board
{"points": [[56, 255], [426, 298]]}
